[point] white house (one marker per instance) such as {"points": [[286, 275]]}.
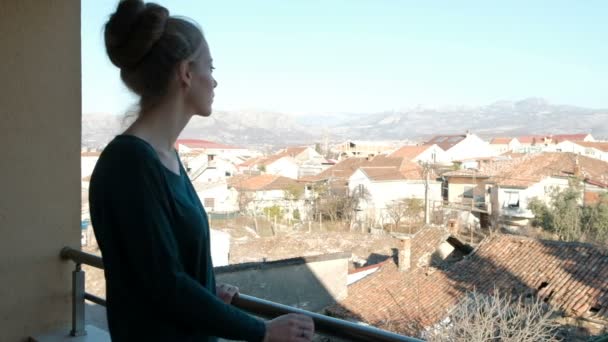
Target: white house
{"points": [[361, 148], [432, 154], [217, 197], [597, 150], [535, 176], [387, 184], [264, 191], [504, 145], [465, 146], [291, 162], [209, 167]]}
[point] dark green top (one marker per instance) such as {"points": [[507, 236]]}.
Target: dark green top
{"points": [[153, 233]]}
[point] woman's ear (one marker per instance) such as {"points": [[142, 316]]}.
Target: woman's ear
{"points": [[184, 74]]}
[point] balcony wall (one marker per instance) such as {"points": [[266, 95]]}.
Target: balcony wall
{"points": [[40, 106]]}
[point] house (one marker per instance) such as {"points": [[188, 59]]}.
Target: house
{"points": [[361, 148], [464, 185], [535, 176], [267, 190], [206, 167], [418, 291], [217, 196], [503, 145], [580, 137], [597, 150], [464, 146], [287, 163], [381, 185], [431, 154], [546, 143]]}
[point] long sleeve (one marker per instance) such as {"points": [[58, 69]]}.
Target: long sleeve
{"points": [[140, 211]]}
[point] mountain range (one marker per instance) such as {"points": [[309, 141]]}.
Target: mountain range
{"points": [[271, 130]]}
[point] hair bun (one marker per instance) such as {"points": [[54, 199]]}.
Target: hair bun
{"points": [[133, 30]]}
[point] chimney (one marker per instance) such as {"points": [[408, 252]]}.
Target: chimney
{"points": [[577, 167], [405, 253]]}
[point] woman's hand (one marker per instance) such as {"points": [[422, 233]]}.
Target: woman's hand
{"points": [[290, 328], [226, 292]]}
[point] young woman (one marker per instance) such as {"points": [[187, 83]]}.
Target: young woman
{"points": [[151, 228]]}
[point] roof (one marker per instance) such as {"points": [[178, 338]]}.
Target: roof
{"points": [[409, 151], [406, 171], [528, 139], [501, 141], [396, 167], [261, 182], [531, 169], [571, 137], [600, 145], [486, 170], [571, 277], [265, 161], [446, 141], [198, 143]]}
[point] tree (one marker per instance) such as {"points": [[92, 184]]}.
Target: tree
{"points": [[565, 216], [273, 212], [337, 203], [496, 317], [396, 211], [595, 219]]}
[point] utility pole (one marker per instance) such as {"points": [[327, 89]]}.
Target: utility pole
{"points": [[427, 218]]}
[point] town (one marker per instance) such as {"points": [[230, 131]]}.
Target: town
{"points": [[452, 214]]}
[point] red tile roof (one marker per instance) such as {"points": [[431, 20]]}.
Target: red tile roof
{"points": [[262, 182], [528, 139], [571, 137], [602, 146], [198, 143], [406, 171], [388, 166], [571, 277], [531, 169], [501, 141], [409, 151], [265, 161]]}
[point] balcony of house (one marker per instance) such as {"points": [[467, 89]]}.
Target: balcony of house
{"points": [[327, 328]]}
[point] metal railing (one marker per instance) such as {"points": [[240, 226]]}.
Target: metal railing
{"points": [[323, 324]]}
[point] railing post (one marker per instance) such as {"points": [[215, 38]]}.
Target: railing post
{"points": [[78, 302]]}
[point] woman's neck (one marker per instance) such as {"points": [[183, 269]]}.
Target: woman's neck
{"points": [[160, 126]]}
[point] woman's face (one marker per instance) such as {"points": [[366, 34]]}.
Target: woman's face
{"points": [[201, 91]]}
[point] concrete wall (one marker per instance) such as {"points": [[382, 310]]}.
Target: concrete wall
{"points": [[307, 283], [40, 107]]}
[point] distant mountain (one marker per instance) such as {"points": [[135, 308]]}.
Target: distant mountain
{"points": [[528, 116], [271, 130]]}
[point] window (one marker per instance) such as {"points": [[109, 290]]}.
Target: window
{"points": [[209, 203], [468, 191], [512, 199]]}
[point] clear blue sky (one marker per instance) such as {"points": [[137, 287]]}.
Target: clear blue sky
{"points": [[324, 56]]}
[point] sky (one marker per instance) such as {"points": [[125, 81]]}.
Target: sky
{"points": [[324, 56]]}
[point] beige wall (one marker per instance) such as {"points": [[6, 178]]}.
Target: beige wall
{"points": [[311, 285], [40, 105]]}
